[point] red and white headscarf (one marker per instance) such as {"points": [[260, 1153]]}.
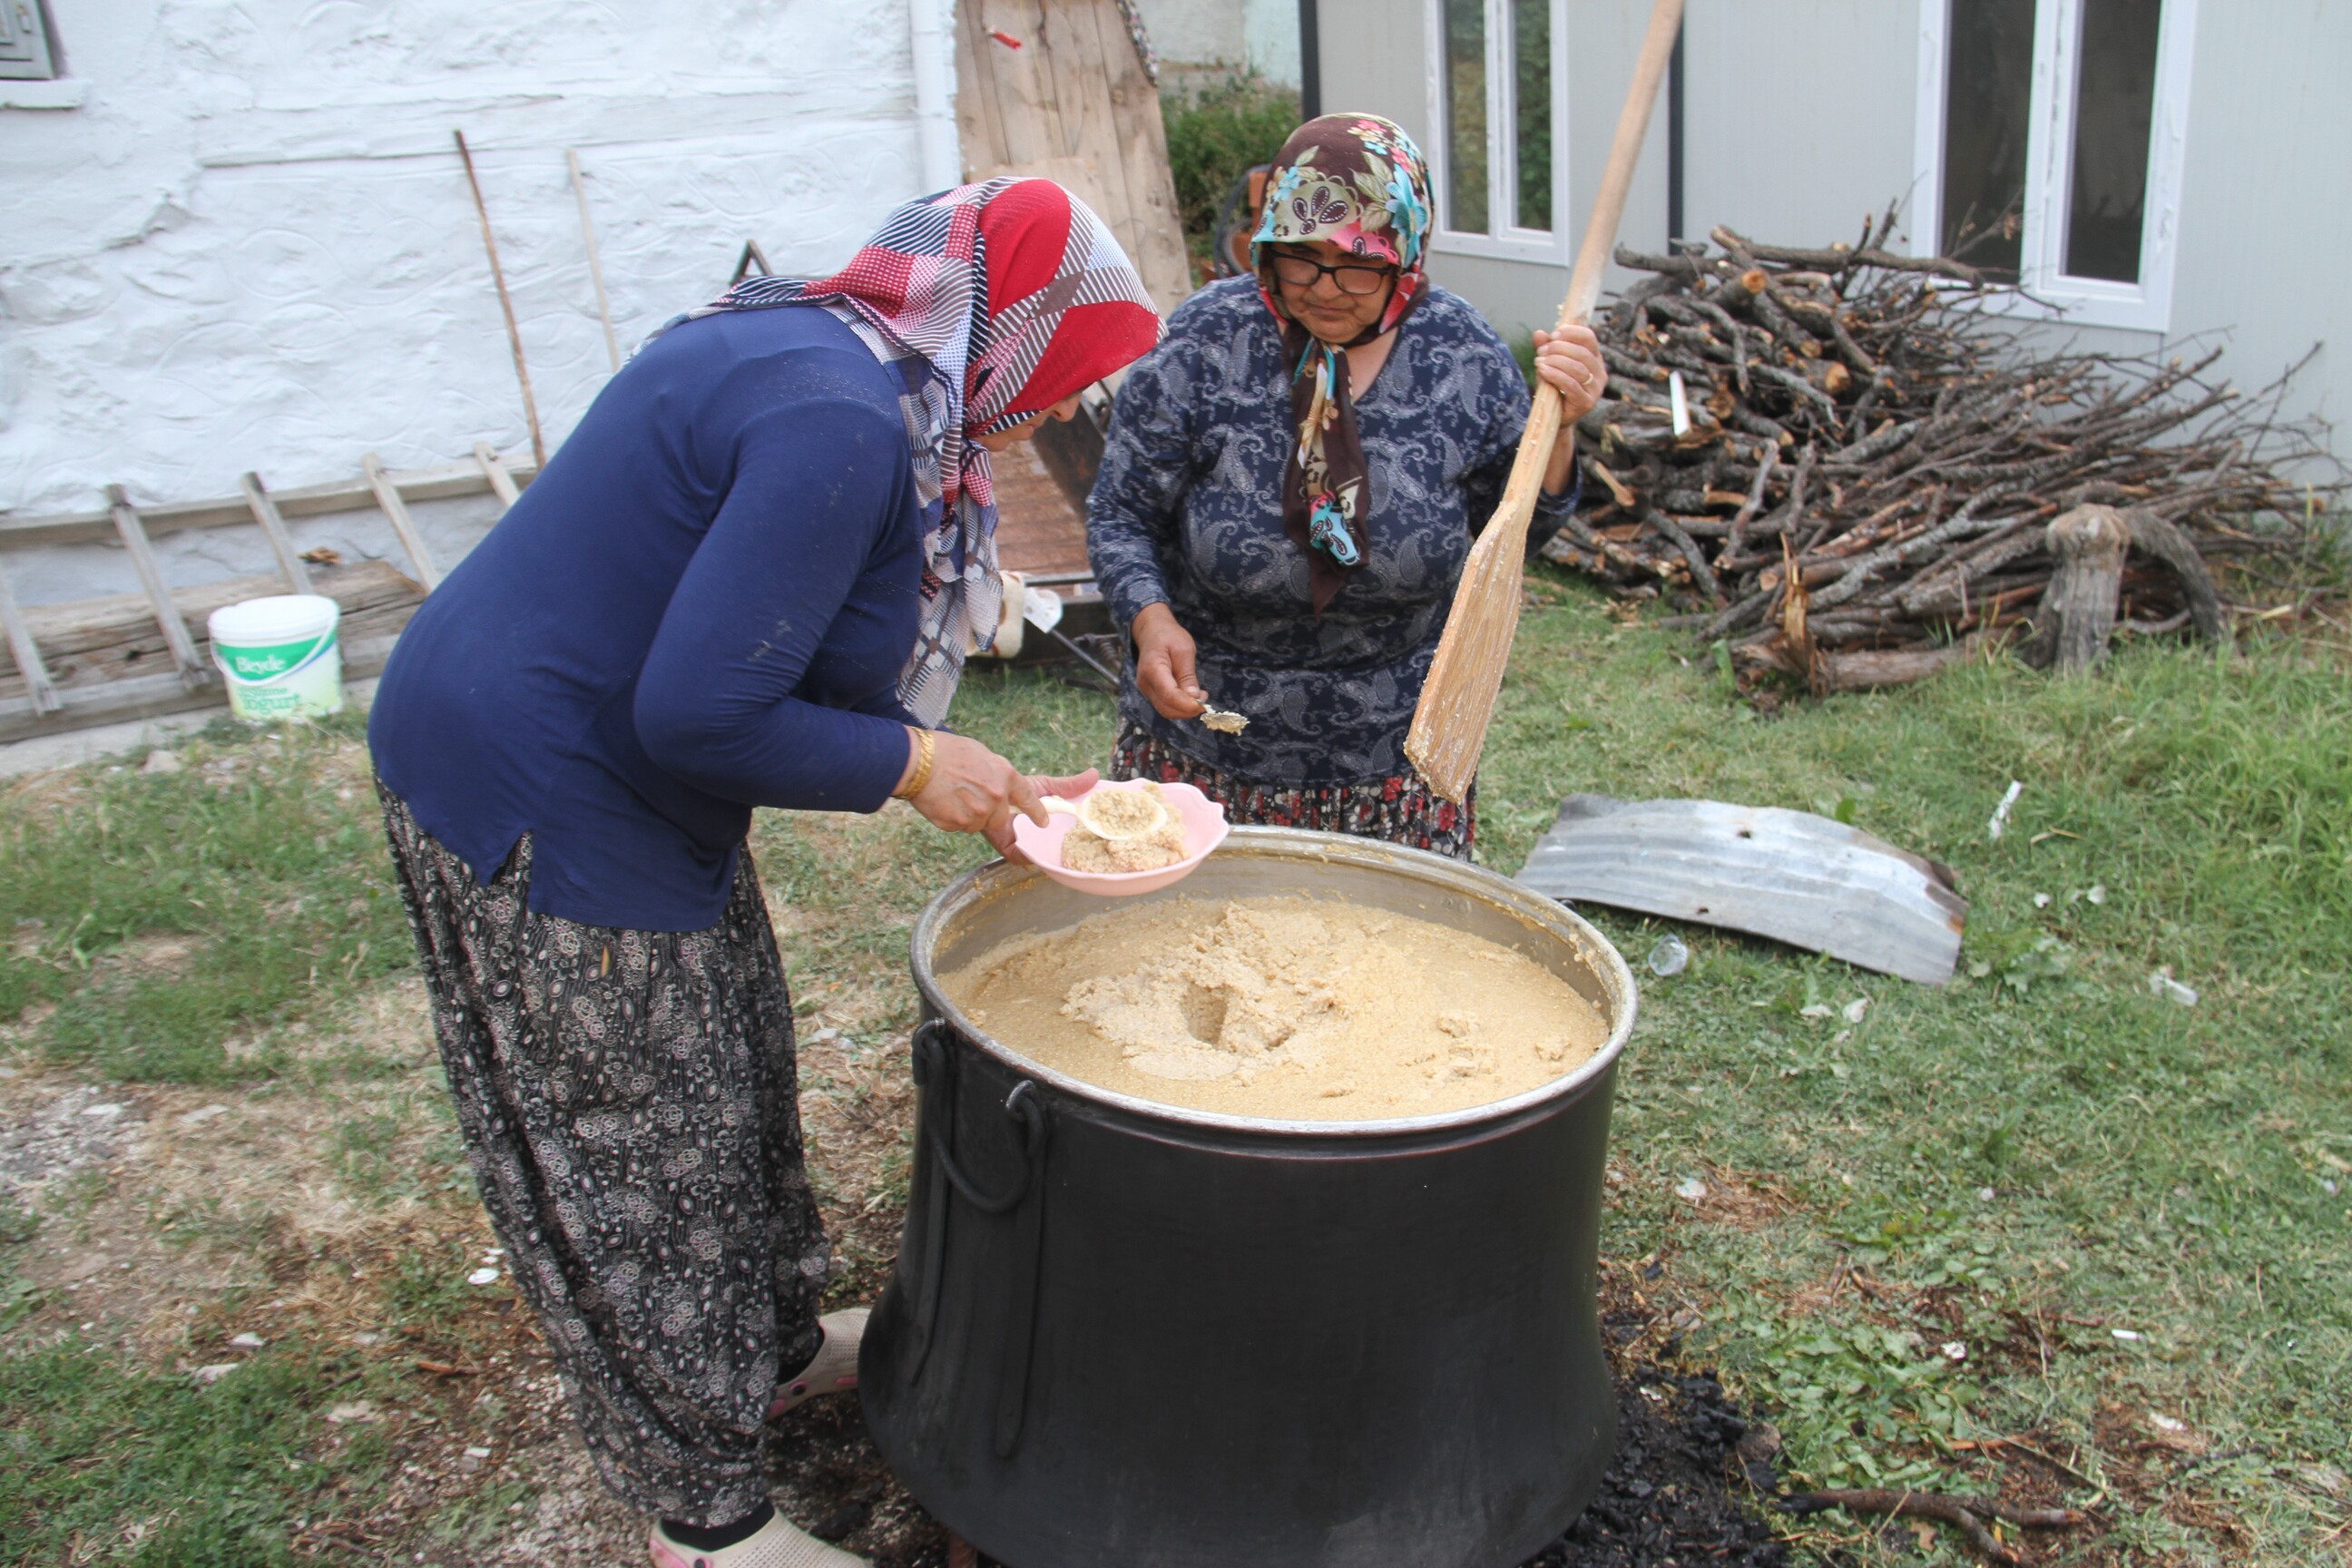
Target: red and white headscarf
{"points": [[991, 304]]}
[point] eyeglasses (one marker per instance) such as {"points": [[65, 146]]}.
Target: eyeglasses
{"points": [[1303, 271]]}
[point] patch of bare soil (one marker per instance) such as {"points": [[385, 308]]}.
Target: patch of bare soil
{"points": [[154, 1199], [857, 1114]]}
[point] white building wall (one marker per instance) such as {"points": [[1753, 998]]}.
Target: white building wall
{"points": [[1198, 40], [1796, 118], [252, 245], [2264, 200], [1270, 38]]}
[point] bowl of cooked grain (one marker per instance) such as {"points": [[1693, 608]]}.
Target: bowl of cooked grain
{"points": [[1068, 852]]}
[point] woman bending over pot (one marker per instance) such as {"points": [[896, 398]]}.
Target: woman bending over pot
{"points": [[1291, 484], [749, 578]]}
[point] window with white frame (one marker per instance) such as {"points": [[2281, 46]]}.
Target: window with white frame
{"points": [[2050, 145], [28, 46], [1498, 104]]}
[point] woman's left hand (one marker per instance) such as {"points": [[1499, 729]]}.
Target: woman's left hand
{"points": [[1569, 363], [1067, 785]]}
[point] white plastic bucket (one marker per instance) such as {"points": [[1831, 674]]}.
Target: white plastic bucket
{"points": [[280, 657]]}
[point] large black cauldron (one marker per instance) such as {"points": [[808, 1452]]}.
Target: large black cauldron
{"points": [[1125, 1335]]}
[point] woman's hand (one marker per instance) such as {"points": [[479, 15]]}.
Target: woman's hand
{"points": [[1569, 363], [973, 790], [1163, 664]]}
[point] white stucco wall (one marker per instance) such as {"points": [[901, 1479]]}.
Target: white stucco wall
{"points": [[253, 245]]}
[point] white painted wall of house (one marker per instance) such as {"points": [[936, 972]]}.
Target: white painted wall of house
{"points": [[252, 247]]}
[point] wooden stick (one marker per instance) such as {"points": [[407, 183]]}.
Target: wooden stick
{"points": [[502, 483], [273, 528], [595, 265], [752, 253], [193, 672], [1966, 1514], [506, 303], [387, 495], [1457, 701], [28, 654]]}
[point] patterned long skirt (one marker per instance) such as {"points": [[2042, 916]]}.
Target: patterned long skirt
{"points": [[630, 1104], [1400, 810]]}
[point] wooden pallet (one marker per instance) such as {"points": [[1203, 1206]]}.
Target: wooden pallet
{"points": [[1040, 529]]}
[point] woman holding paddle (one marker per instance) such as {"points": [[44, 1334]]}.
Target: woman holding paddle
{"points": [[1290, 485]]}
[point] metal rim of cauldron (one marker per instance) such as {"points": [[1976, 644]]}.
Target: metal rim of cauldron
{"points": [[1621, 997]]}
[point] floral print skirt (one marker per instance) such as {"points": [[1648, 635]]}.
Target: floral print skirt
{"points": [[1400, 810], [629, 1102]]}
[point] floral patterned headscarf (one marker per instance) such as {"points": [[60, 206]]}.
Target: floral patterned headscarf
{"points": [[1358, 182]]}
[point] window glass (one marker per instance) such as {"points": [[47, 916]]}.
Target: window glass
{"points": [[1531, 50], [1465, 116], [27, 50], [2114, 108], [1988, 97]]}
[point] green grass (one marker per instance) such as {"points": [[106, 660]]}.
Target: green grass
{"points": [[103, 1460], [18, 1295], [2153, 1168], [249, 860]]}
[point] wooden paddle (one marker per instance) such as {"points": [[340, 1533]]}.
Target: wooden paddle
{"points": [[1449, 726]]}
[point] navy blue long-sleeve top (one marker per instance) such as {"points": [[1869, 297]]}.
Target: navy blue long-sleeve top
{"points": [[702, 605], [1188, 511]]}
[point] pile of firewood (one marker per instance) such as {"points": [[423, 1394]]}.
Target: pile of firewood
{"points": [[1874, 475]]}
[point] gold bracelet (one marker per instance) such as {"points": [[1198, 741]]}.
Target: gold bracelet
{"points": [[924, 748]]}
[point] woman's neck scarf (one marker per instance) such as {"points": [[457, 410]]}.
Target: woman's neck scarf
{"points": [[989, 303], [1358, 181]]}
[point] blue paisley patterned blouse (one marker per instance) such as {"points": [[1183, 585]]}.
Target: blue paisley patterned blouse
{"points": [[1188, 510]]}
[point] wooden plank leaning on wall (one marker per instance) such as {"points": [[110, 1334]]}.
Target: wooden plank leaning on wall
{"points": [[1072, 104]]}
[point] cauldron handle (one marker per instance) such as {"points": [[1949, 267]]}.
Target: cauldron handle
{"points": [[930, 1066], [934, 1081]]}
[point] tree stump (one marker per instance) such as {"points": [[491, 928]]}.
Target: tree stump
{"points": [[2078, 612]]}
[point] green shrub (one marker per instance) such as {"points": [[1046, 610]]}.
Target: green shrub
{"points": [[1216, 133]]}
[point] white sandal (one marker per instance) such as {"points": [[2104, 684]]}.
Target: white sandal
{"points": [[776, 1545], [834, 1368]]}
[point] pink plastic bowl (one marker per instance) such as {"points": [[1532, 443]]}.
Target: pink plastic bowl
{"points": [[1204, 829]]}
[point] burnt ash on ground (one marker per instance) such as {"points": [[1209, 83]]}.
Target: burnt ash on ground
{"points": [[1670, 1497], [1674, 1498]]}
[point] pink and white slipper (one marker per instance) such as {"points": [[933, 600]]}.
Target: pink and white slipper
{"points": [[834, 1368], [777, 1545]]}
